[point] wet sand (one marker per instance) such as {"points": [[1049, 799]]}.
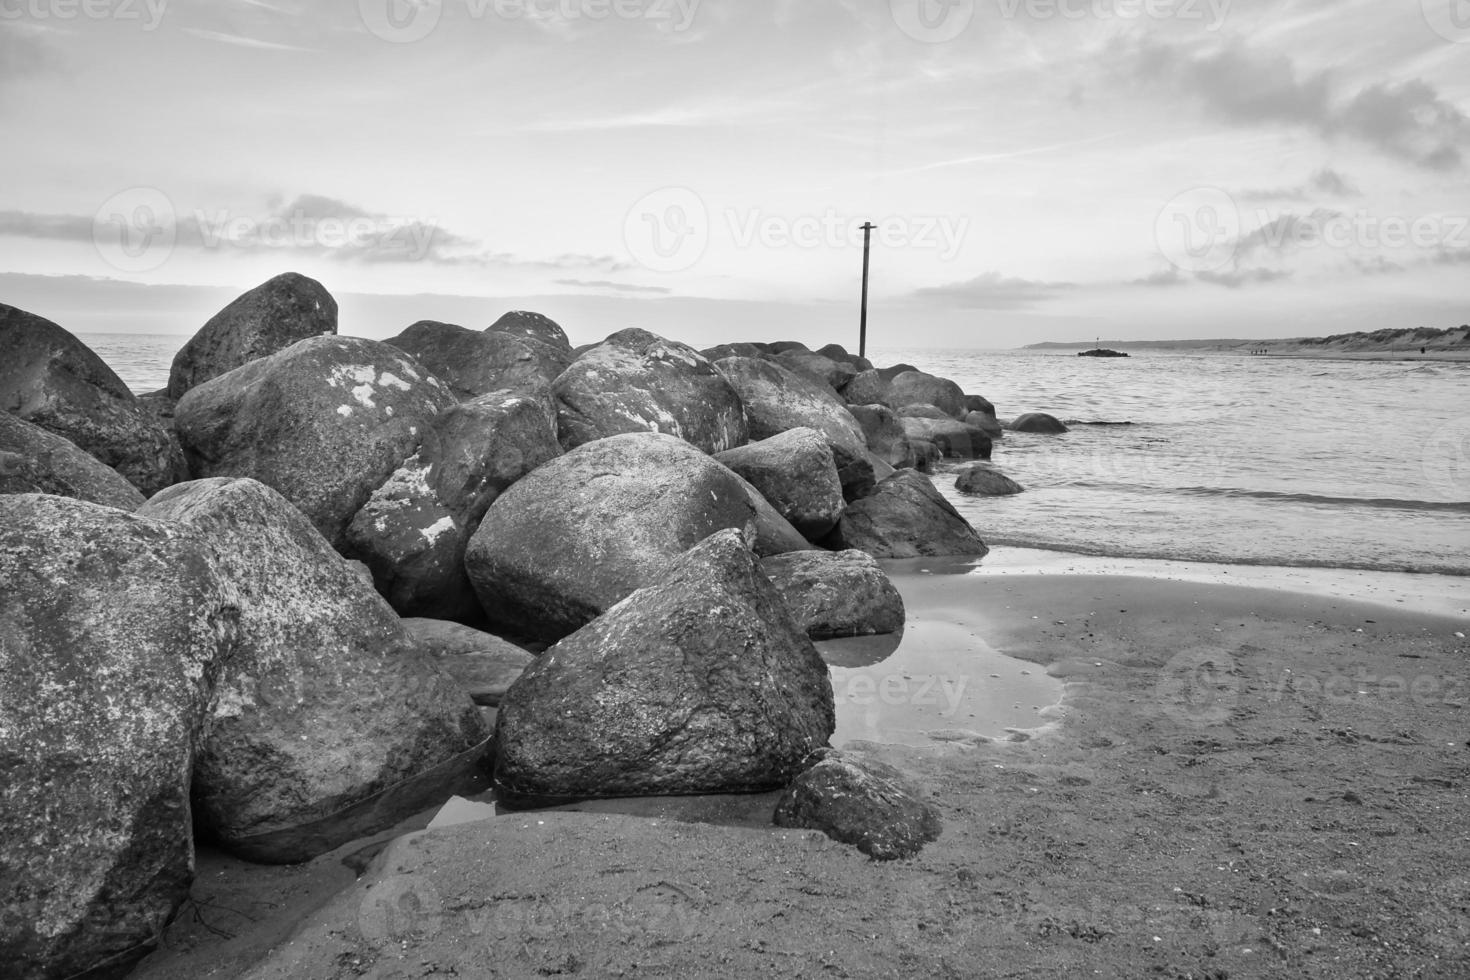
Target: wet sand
{"points": [[1237, 782]]}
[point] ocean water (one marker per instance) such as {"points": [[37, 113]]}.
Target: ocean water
{"points": [[1194, 457]]}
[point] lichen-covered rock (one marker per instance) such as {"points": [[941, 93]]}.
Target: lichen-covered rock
{"points": [[483, 664], [534, 326], [733, 350], [33, 460], [885, 434], [795, 472], [112, 630], [861, 802], [636, 381], [413, 530], [774, 534], [580, 533], [984, 480], [700, 683], [776, 400], [325, 422], [905, 517], [1038, 422], [955, 439], [51, 379], [326, 702], [475, 362], [270, 317], [836, 593]]}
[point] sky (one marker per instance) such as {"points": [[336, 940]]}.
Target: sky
{"points": [[1035, 170]]}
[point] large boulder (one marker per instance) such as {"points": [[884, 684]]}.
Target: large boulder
{"points": [[885, 434], [776, 400], [112, 631], [872, 386], [413, 530], [865, 803], [911, 387], [833, 374], [51, 379], [474, 362], [700, 683], [955, 439], [269, 318], [484, 665], [836, 593], [580, 533], [774, 534], [1038, 422], [533, 326], [794, 470], [986, 422], [719, 351], [984, 480], [33, 460], [905, 517], [326, 703], [836, 352], [636, 381], [325, 422]]}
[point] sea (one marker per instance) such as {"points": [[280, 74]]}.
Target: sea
{"points": [[1199, 457]]}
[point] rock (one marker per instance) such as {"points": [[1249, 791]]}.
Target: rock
{"points": [[326, 702], [484, 665], [474, 363], [269, 318], [986, 424], [774, 534], [112, 629], [984, 480], [955, 439], [535, 326], [833, 374], [636, 381], [975, 403], [580, 533], [837, 352], [841, 593], [795, 472], [33, 460], [1038, 422], [905, 517], [884, 433], [926, 455], [51, 379], [912, 387], [782, 346], [863, 803], [718, 351], [413, 530], [872, 387], [325, 422], [700, 683], [776, 400], [920, 410]]}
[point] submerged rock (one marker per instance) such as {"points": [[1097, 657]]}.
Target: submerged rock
{"points": [[33, 460], [326, 702], [51, 379], [841, 593], [795, 471], [583, 531], [268, 318], [112, 631], [860, 802], [905, 517], [984, 480], [1038, 422], [325, 422], [636, 381], [700, 683]]}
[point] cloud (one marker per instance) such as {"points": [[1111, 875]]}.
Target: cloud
{"points": [[1325, 181], [608, 284], [992, 291], [1236, 278], [1409, 120]]}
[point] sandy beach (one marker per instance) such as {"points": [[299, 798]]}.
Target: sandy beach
{"points": [[1237, 782]]}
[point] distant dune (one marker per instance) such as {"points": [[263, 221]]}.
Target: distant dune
{"points": [[1449, 342]]}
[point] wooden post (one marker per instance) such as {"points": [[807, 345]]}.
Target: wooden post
{"points": [[868, 227]]}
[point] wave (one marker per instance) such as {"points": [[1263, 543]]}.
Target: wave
{"points": [[1384, 503]]}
